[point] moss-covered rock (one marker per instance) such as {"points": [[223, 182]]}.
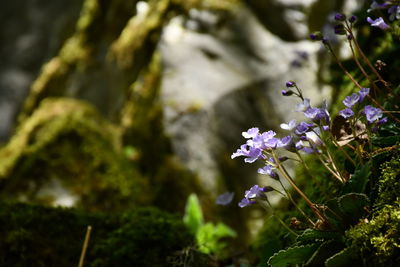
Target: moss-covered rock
{"points": [[67, 141], [40, 236]]}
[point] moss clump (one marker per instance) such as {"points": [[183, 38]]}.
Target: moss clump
{"points": [[67, 141], [378, 241], [389, 182], [42, 236]]}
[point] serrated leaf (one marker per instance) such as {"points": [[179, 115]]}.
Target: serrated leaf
{"points": [[292, 255], [326, 250], [353, 206], [341, 259], [310, 235], [358, 180], [193, 217], [334, 214]]}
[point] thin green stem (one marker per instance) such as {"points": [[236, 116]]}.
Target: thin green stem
{"points": [[342, 67], [293, 184], [279, 219], [289, 196]]}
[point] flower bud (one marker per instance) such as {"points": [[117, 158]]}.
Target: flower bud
{"points": [[316, 36], [290, 84], [352, 19], [287, 92], [340, 17]]}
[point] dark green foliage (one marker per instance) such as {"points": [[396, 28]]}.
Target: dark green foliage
{"points": [[343, 258], [41, 236], [293, 255], [311, 235], [326, 250], [346, 210], [358, 181]]}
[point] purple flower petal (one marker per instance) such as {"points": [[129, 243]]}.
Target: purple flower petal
{"points": [[351, 100], [346, 113], [363, 93], [251, 133], [225, 198], [372, 114], [379, 22], [246, 202]]}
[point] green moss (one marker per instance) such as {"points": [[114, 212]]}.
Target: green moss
{"points": [[40, 236], [378, 239], [389, 182], [68, 141]]}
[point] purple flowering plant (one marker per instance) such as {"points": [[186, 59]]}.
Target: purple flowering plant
{"points": [[327, 137], [343, 140]]}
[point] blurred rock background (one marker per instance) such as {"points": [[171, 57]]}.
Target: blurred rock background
{"points": [[108, 105]]}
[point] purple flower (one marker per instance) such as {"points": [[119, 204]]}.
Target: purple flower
{"points": [[372, 114], [246, 202], [317, 114], [311, 113], [254, 192], [300, 145], [308, 150], [287, 143], [303, 106], [394, 12], [316, 36], [352, 19], [346, 113], [302, 127], [290, 84], [376, 5], [264, 141], [252, 154], [290, 126], [225, 198], [382, 121], [287, 92], [379, 22], [363, 93], [268, 170], [351, 100], [251, 133], [340, 17]]}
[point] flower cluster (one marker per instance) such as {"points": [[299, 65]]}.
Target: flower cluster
{"points": [[309, 136], [372, 114]]}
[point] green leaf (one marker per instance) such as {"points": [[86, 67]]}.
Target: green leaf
{"points": [[385, 141], [310, 235], [353, 206], [341, 259], [326, 250], [358, 180], [293, 255], [334, 214], [193, 217], [346, 210], [209, 237]]}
